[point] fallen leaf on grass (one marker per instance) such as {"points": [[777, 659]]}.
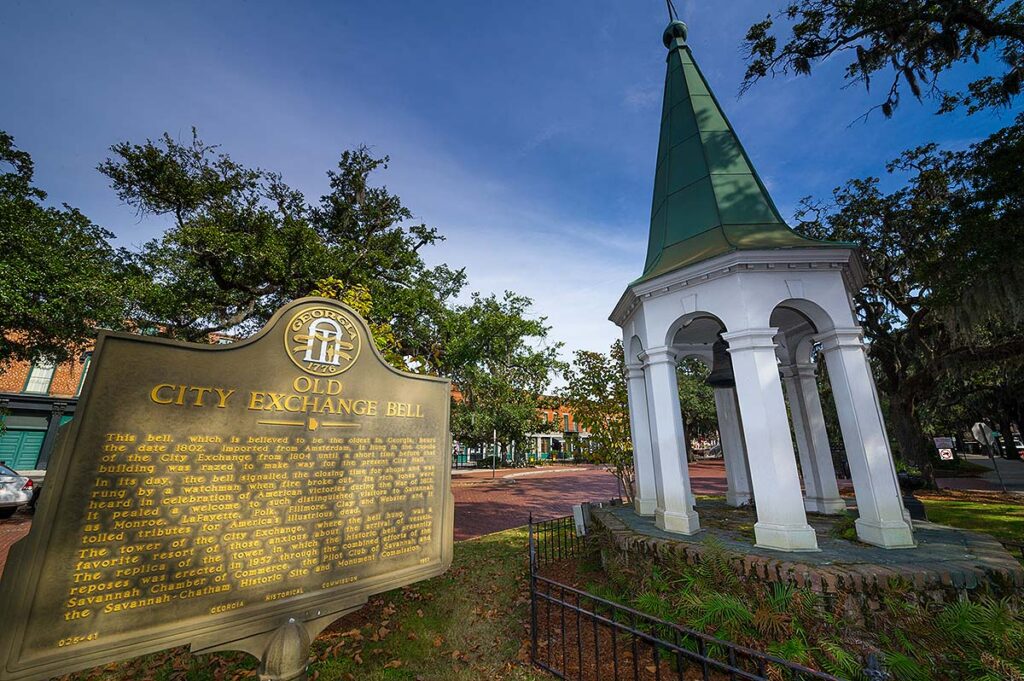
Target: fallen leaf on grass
{"points": [[394, 664]]}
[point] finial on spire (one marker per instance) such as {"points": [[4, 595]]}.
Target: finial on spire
{"points": [[674, 35], [673, 15]]}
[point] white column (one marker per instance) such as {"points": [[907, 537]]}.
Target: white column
{"points": [[646, 499], [821, 490], [892, 464], [781, 520], [674, 510], [879, 503], [734, 450]]}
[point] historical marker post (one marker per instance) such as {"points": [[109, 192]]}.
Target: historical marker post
{"points": [[230, 497]]}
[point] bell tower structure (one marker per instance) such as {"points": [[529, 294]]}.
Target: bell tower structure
{"points": [[724, 268]]}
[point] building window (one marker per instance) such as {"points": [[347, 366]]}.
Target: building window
{"points": [[39, 377], [86, 361]]}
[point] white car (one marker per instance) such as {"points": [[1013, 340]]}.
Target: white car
{"points": [[15, 490]]}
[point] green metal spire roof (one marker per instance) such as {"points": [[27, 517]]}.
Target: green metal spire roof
{"points": [[708, 199]]}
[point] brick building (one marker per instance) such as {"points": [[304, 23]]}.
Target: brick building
{"points": [[35, 400], [565, 436]]}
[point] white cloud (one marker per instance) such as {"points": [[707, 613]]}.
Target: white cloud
{"points": [[642, 97]]}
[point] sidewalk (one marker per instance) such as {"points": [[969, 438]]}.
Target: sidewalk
{"points": [[1011, 471]]}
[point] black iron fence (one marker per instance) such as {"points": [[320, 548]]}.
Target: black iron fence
{"points": [[553, 540], [577, 635]]}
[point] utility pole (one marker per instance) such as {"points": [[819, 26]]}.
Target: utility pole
{"points": [[494, 458]]}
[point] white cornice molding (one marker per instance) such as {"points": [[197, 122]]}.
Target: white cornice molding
{"points": [[845, 260], [751, 339]]}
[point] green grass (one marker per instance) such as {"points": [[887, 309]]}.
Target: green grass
{"points": [[469, 623], [1003, 521]]}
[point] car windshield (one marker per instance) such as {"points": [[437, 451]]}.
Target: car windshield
{"points": [[4, 470]]}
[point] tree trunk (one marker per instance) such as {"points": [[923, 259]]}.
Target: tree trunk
{"points": [[625, 476], [915, 447]]}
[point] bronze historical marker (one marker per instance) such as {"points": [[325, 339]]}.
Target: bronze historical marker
{"points": [[229, 497]]}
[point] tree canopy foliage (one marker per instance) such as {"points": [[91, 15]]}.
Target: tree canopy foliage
{"points": [[242, 243], [942, 293], [913, 43], [696, 402], [500, 360], [58, 274], [595, 391]]}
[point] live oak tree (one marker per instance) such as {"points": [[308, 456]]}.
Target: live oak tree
{"points": [[58, 272], [595, 391], [911, 43], [928, 249], [242, 242], [500, 360]]}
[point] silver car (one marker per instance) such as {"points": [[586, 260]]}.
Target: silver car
{"points": [[15, 490]]}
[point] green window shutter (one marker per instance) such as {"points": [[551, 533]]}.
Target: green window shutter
{"points": [[20, 448]]}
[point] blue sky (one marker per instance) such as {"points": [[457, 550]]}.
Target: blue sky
{"points": [[526, 132]]}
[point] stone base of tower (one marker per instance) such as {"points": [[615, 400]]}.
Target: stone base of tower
{"points": [[946, 564]]}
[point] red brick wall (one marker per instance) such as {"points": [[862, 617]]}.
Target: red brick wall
{"points": [[557, 417], [66, 378], [13, 377]]}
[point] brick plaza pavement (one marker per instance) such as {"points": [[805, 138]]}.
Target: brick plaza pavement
{"points": [[483, 506]]}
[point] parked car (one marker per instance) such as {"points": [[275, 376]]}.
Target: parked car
{"points": [[15, 491]]}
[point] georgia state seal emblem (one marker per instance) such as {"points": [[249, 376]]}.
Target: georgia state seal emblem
{"points": [[322, 341]]}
